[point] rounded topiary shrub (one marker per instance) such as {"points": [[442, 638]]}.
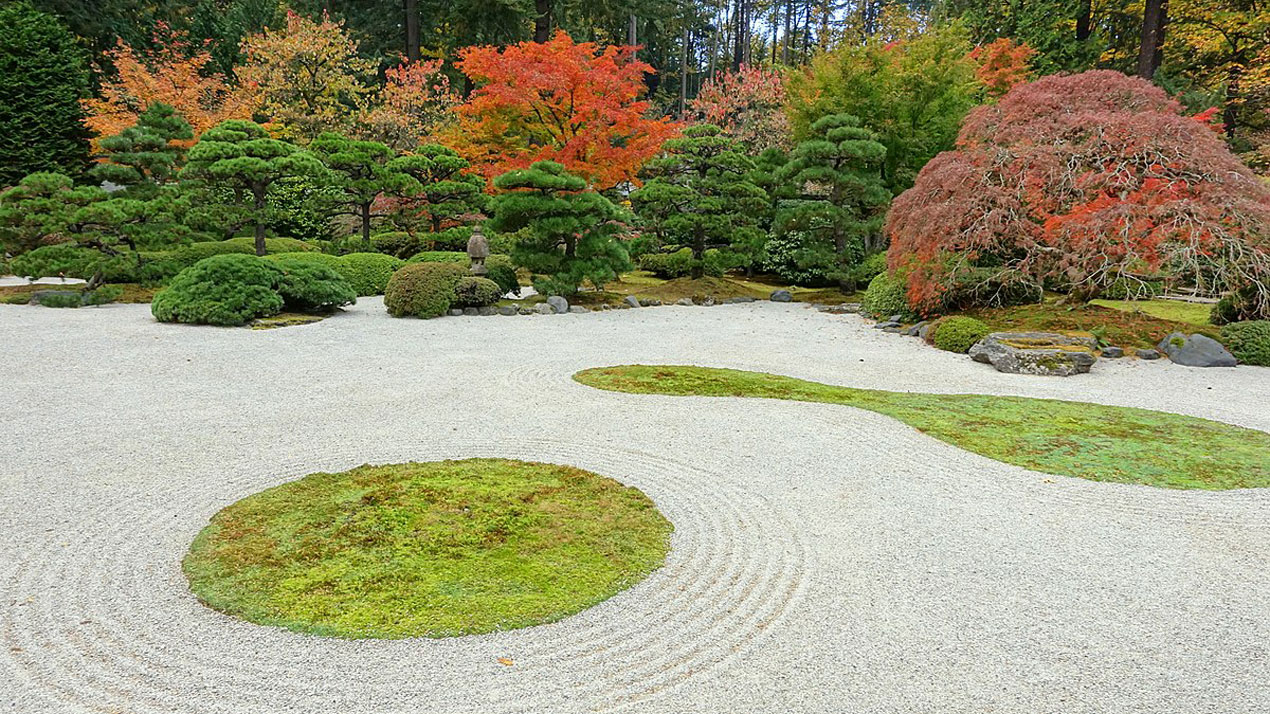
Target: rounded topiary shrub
{"points": [[423, 289], [957, 333], [1248, 341], [369, 273], [439, 256], [886, 297], [310, 285], [397, 244], [221, 290], [476, 292], [500, 267]]}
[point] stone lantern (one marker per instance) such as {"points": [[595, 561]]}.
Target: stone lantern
{"points": [[478, 251]]}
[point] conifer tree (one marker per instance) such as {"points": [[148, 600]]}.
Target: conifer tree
{"points": [[700, 194], [449, 192], [570, 232], [144, 157], [838, 199], [360, 172]]}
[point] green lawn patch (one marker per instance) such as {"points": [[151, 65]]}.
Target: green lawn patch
{"points": [[1174, 310], [427, 549], [1090, 441]]}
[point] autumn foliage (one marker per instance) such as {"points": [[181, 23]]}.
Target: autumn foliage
{"points": [[748, 105], [1003, 64], [1078, 182], [571, 103], [177, 73]]}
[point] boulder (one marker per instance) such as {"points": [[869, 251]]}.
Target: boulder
{"points": [[1111, 352], [915, 330], [507, 310], [684, 301], [895, 318], [578, 309], [487, 310], [471, 311], [782, 296], [544, 308], [709, 301], [456, 312], [923, 331], [632, 301], [1148, 354], [651, 302], [1196, 351], [1043, 353], [559, 304], [888, 324], [845, 308]]}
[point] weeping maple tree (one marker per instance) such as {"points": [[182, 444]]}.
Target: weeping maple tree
{"points": [[1080, 182], [571, 103]]}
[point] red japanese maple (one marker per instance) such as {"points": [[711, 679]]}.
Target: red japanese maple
{"points": [[1080, 181], [568, 102]]}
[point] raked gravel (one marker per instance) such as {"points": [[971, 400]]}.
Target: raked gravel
{"points": [[825, 559]]}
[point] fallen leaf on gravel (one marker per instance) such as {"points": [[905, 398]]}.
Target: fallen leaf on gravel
{"points": [[506, 661]]}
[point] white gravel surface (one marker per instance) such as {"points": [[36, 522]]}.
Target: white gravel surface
{"points": [[825, 559]]}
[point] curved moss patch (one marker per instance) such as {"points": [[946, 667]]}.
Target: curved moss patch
{"points": [[1090, 441], [427, 549]]}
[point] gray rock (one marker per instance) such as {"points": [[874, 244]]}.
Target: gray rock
{"points": [[895, 329], [1148, 354], [781, 296], [886, 324], [1111, 352], [845, 308], [684, 301], [471, 311], [456, 312], [632, 301], [651, 302], [709, 301], [924, 331], [487, 311], [1196, 351], [1043, 353], [559, 304], [895, 318], [528, 310], [507, 310], [576, 309], [543, 308], [915, 330], [819, 307]]}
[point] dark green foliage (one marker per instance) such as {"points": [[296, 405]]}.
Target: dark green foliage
{"points": [[60, 300], [310, 285], [160, 267], [40, 210], [298, 207], [448, 195], [1132, 289], [69, 260], [1248, 341], [700, 194], [42, 78], [1237, 306], [836, 198], [143, 157], [866, 270], [440, 256], [500, 267], [780, 256], [885, 297], [680, 263], [991, 287], [476, 292], [368, 273], [570, 233], [957, 333], [235, 163], [103, 295], [221, 290], [397, 243], [360, 172], [423, 289]]}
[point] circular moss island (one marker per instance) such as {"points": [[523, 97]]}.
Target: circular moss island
{"points": [[433, 549]]}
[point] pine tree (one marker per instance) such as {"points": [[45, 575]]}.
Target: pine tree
{"points": [[144, 157], [40, 209], [360, 173], [236, 162], [839, 199], [570, 233], [700, 194], [44, 77], [449, 193]]}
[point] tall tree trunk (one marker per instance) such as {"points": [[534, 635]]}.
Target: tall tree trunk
{"points": [[1154, 18], [542, 21], [1085, 20], [258, 201], [632, 38], [698, 254], [411, 8], [366, 225], [789, 15], [1229, 115], [684, 51]]}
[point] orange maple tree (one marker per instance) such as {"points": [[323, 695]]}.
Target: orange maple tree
{"points": [[1003, 64], [176, 73], [572, 103]]}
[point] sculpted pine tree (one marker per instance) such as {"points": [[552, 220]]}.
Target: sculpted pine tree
{"points": [[237, 161], [360, 172], [570, 232], [837, 197], [144, 157], [449, 194], [40, 209], [700, 194]]}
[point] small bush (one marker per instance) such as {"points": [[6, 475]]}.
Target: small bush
{"points": [[885, 297], [957, 333], [103, 295], [310, 285], [1238, 306], [423, 289], [221, 290], [58, 300], [1127, 289], [440, 256], [501, 269], [679, 264], [1248, 341], [70, 260], [398, 244], [476, 292], [869, 268], [368, 273]]}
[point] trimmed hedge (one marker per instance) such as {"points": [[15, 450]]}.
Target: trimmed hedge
{"points": [[476, 292], [397, 243], [309, 285], [369, 273], [500, 267], [1248, 341], [679, 263], [221, 290], [957, 333], [885, 297], [423, 289]]}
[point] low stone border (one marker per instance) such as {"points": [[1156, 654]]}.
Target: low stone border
{"points": [[557, 305]]}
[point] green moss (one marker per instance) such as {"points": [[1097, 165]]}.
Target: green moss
{"points": [[427, 549], [1175, 310], [1090, 441], [957, 333]]}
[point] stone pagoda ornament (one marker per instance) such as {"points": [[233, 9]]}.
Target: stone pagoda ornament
{"points": [[477, 251]]}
